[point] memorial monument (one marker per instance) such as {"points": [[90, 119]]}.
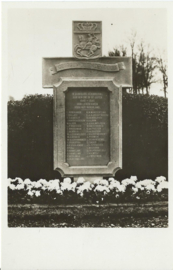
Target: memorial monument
{"points": [[87, 105]]}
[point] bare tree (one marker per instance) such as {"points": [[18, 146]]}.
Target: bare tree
{"points": [[146, 67], [132, 42], [118, 51], [162, 66], [144, 63]]}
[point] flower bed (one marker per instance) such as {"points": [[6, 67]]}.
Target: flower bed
{"points": [[83, 192]]}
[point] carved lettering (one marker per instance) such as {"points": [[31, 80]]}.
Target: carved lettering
{"points": [[87, 65], [87, 126]]}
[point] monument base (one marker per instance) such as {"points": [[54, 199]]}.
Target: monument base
{"points": [[89, 178]]}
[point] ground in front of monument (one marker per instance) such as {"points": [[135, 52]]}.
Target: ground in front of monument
{"points": [[132, 215], [148, 221]]}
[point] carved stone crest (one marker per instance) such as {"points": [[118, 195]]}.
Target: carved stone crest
{"points": [[87, 40]]}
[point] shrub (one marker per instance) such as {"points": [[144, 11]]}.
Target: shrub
{"points": [[30, 137], [103, 191], [145, 136]]}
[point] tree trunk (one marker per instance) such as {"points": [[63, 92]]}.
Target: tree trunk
{"points": [[134, 91], [147, 91]]}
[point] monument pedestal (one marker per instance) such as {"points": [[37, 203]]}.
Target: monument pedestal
{"points": [[87, 114]]}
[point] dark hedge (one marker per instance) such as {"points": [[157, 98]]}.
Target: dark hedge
{"points": [[145, 137]]}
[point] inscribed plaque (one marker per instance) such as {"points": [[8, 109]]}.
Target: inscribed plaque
{"points": [[87, 126]]}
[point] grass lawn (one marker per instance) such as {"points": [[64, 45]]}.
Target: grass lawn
{"points": [[88, 222], [127, 215]]}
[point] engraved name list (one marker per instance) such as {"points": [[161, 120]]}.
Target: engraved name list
{"points": [[87, 126]]}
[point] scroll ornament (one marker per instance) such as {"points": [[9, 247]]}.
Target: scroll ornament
{"points": [[87, 65]]}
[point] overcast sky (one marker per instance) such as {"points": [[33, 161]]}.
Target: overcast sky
{"points": [[37, 33]]}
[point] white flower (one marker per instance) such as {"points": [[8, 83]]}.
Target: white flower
{"points": [[33, 183], [37, 193], [9, 181], [69, 187], [20, 181], [138, 185], [100, 188], [135, 189], [38, 185], [159, 189], [67, 180], [56, 181], [44, 187], [117, 195], [127, 182], [51, 181], [28, 187], [138, 198], [96, 181], [52, 185], [161, 186], [64, 186], [20, 186], [86, 186], [73, 186], [12, 187], [121, 188], [134, 178], [111, 179], [27, 181], [114, 184], [12, 180], [164, 185], [80, 180], [150, 187], [160, 179], [111, 187], [30, 193], [146, 182], [43, 182], [148, 192], [58, 191], [104, 182]]}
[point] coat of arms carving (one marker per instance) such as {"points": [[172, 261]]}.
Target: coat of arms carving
{"points": [[87, 43]]}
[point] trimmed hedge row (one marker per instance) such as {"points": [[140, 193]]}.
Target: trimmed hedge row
{"points": [[145, 137]]}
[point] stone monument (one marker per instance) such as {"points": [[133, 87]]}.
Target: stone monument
{"points": [[87, 105]]}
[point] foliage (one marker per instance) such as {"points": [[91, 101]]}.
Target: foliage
{"points": [[162, 66], [145, 136], [100, 191], [145, 65], [120, 51], [30, 137]]}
